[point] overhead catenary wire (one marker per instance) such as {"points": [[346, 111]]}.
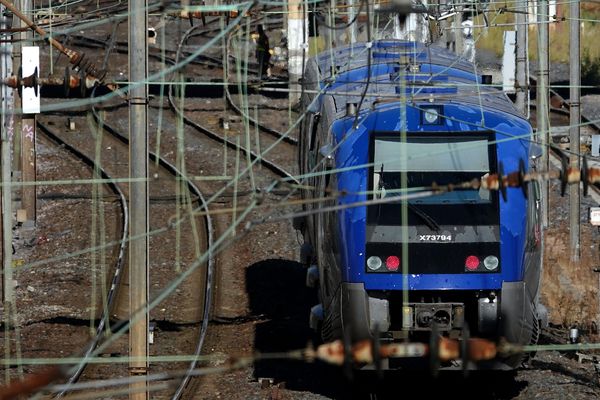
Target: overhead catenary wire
{"points": [[186, 271], [184, 275], [129, 239], [242, 206], [334, 353]]}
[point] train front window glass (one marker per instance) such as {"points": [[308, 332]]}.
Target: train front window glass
{"points": [[425, 160]]}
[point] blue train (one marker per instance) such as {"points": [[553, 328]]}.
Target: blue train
{"points": [[387, 260]]}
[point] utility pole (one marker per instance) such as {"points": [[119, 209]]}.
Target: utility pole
{"points": [[7, 118], [542, 99], [297, 39], [16, 48], [28, 159], [574, 121], [522, 80], [459, 43], [352, 28], [138, 196]]}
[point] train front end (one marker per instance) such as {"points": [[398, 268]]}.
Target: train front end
{"points": [[394, 259], [413, 259]]}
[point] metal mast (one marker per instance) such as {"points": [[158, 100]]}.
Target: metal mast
{"points": [[522, 83], [138, 195], [574, 121], [297, 40], [7, 119], [542, 97]]}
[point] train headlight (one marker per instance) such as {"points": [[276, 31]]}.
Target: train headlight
{"points": [[431, 116], [490, 263], [374, 263]]}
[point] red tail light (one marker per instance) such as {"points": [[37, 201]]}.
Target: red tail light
{"points": [[472, 263], [392, 263]]}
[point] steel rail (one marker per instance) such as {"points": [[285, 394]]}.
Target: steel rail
{"points": [[272, 166], [172, 169], [121, 47], [253, 122], [593, 125], [209, 289], [209, 231], [213, 135], [116, 280]]}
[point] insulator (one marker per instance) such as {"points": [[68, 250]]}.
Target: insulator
{"points": [[501, 185], [376, 350], [67, 81], [35, 81], [19, 80], [593, 175], [350, 109], [434, 350], [522, 182], [574, 335], [584, 176], [82, 87], [348, 358], [77, 60], [464, 348], [564, 173]]}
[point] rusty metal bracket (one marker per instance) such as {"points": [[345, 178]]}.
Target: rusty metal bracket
{"points": [[78, 60]]}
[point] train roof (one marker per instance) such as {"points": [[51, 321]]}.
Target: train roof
{"points": [[425, 73]]}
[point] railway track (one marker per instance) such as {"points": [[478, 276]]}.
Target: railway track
{"points": [[120, 262], [562, 114], [113, 154], [161, 171], [209, 231], [254, 122], [173, 57], [274, 132], [274, 167]]}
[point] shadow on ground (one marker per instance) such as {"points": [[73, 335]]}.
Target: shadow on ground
{"points": [[277, 292]]}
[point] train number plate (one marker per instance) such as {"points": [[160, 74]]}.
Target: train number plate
{"points": [[435, 238]]}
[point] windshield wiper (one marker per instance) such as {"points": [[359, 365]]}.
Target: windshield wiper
{"points": [[429, 221], [380, 186]]}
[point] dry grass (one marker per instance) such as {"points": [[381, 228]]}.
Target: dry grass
{"points": [[492, 38]]}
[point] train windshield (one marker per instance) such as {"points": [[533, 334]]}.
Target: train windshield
{"points": [[448, 158], [425, 160]]}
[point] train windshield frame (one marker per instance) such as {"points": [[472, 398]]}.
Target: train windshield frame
{"points": [[427, 157]]}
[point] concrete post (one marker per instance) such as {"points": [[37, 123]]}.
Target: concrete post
{"points": [[574, 121], [7, 119], [542, 99], [521, 81], [138, 194], [353, 28], [28, 139], [297, 32], [459, 42]]}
